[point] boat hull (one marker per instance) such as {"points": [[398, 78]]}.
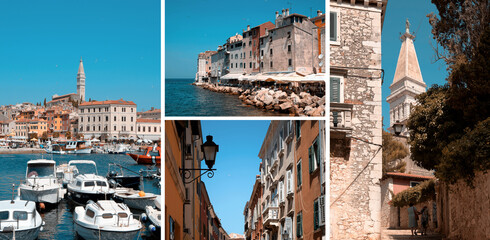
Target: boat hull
{"points": [[127, 181], [27, 234], [52, 196], [82, 198], [135, 202], [90, 233], [144, 159]]}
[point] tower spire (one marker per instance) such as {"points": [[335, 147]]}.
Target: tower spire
{"points": [[81, 81]]}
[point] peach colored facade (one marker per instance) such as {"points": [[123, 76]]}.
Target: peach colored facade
{"points": [[309, 188]]}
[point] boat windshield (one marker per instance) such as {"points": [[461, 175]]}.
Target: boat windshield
{"points": [[40, 170], [101, 183], [20, 215], [4, 215], [154, 153]]}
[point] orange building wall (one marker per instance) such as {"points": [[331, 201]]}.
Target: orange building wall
{"points": [[310, 184], [173, 201]]}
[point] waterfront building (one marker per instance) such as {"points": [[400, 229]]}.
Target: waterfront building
{"points": [[153, 113], [290, 46], [36, 127], [319, 22], [309, 163], [235, 63], [148, 129], [204, 66], [111, 119], [407, 83], [81, 82], [218, 64], [7, 126], [355, 118]]}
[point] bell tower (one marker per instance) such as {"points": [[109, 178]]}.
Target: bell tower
{"points": [[407, 82], [81, 82]]}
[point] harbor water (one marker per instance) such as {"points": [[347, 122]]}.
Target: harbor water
{"points": [[59, 219], [184, 99]]}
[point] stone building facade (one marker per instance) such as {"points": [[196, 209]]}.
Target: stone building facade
{"points": [[290, 46], [148, 129], [204, 66], [355, 119], [234, 46], [219, 64], [112, 119]]}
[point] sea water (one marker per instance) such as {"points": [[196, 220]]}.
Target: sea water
{"points": [[184, 99], [59, 220]]}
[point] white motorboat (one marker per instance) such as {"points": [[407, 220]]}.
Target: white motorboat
{"points": [[105, 220], [135, 199], [154, 215], [78, 147], [19, 220], [86, 187], [66, 173], [41, 184]]}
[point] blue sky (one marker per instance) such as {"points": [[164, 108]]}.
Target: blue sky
{"points": [[195, 26], [237, 164], [41, 44], [394, 25]]}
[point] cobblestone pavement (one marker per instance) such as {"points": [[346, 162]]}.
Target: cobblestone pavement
{"points": [[403, 234]]}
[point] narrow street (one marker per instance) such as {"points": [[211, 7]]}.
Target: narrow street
{"points": [[402, 234]]}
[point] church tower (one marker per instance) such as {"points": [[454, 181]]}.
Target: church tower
{"points": [[407, 83], [81, 82]]}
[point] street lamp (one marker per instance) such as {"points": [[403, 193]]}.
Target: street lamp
{"points": [[398, 127], [209, 149]]}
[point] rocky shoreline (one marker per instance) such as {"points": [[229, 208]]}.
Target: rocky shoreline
{"points": [[302, 104]]}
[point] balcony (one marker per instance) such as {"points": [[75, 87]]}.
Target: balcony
{"points": [[271, 216], [341, 118]]}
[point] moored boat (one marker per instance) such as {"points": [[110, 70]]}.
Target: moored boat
{"points": [[122, 179], [154, 215], [152, 155], [41, 184], [135, 199], [19, 220], [85, 187], [105, 220]]}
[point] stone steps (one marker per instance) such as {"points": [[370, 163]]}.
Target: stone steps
{"points": [[397, 234]]}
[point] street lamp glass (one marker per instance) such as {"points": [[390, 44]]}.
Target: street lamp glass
{"points": [[209, 148], [398, 128]]}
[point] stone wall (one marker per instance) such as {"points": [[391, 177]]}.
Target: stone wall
{"points": [[464, 210], [355, 163]]}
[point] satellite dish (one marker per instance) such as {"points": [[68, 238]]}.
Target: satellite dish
{"points": [[320, 56]]}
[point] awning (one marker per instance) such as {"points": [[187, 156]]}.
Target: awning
{"points": [[231, 76], [319, 77]]}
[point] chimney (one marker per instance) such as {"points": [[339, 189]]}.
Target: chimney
{"points": [[152, 108], [287, 12], [283, 13], [277, 14], [318, 13], [248, 27]]}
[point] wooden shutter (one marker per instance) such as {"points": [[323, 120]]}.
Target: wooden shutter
{"points": [[311, 158], [321, 203], [335, 97], [315, 214]]}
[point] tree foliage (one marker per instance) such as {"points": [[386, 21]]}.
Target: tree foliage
{"points": [[449, 126], [393, 153], [421, 193]]}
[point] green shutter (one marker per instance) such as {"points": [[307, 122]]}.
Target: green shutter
{"points": [[299, 225], [333, 26], [317, 151], [315, 214], [298, 178]]}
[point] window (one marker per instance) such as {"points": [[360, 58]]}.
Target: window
{"points": [[333, 26], [298, 128], [94, 119], [271, 64], [155, 129], [4, 215], [289, 48], [139, 128], [250, 54], [236, 65], [101, 183], [171, 228], [299, 225], [290, 62], [90, 213], [89, 184], [232, 65], [414, 183], [249, 43], [114, 109], [271, 52], [131, 128], [122, 215], [298, 173], [250, 64], [88, 119], [261, 52], [107, 118], [314, 155], [107, 215], [99, 118], [315, 214], [114, 118], [114, 127], [261, 64]]}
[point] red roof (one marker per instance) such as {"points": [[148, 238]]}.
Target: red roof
{"points": [[407, 175], [120, 102], [148, 120]]}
